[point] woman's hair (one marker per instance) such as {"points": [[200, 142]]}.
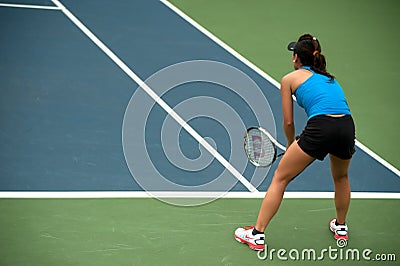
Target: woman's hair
{"points": [[308, 50]]}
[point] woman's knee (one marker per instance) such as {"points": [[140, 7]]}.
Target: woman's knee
{"points": [[282, 176], [339, 168]]}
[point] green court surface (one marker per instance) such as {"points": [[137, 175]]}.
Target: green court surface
{"points": [[149, 232], [359, 39]]}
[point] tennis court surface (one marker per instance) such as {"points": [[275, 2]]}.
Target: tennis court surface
{"points": [[107, 106]]}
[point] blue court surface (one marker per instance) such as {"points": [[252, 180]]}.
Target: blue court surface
{"points": [[70, 87]]}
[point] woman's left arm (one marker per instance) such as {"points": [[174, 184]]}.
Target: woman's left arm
{"points": [[287, 109]]}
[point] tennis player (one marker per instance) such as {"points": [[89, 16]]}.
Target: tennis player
{"points": [[329, 130]]}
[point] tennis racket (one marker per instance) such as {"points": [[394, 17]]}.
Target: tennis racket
{"points": [[261, 147]]}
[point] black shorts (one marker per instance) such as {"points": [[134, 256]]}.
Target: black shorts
{"points": [[324, 134]]}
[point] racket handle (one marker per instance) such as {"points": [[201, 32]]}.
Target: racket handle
{"points": [[279, 155]]}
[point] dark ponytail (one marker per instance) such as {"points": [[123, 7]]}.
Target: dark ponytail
{"points": [[308, 50]]}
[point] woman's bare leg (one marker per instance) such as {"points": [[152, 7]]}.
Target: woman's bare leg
{"points": [[339, 168], [293, 162]]}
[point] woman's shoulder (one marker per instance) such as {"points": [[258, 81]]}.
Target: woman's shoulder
{"points": [[298, 73], [295, 78], [289, 75]]}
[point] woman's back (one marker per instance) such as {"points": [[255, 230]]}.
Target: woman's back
{"points": [[320, 95]]}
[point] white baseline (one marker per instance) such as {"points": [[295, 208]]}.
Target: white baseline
{"points": [[169, 194]]}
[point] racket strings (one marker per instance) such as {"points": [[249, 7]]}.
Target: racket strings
{"points": [[260, 149]]}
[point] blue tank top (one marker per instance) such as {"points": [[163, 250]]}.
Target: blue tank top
{"points": [[319, 95]]}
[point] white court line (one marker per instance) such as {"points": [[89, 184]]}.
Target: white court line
{"points": [[30, 6], [169, 194], [263, 74], [155, 97]]}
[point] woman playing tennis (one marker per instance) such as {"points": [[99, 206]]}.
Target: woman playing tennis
{"points": [[329, 130]]}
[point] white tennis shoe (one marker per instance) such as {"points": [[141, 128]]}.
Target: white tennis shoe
{"points": [[340, 231], [245, 235]]}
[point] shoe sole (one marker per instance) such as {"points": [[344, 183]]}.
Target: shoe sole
{"points": [[252, 246]]}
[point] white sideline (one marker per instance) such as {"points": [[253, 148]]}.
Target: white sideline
{"points": [[169, 194]]}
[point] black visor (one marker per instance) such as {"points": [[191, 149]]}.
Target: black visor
{"points": [[291, 46]]}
